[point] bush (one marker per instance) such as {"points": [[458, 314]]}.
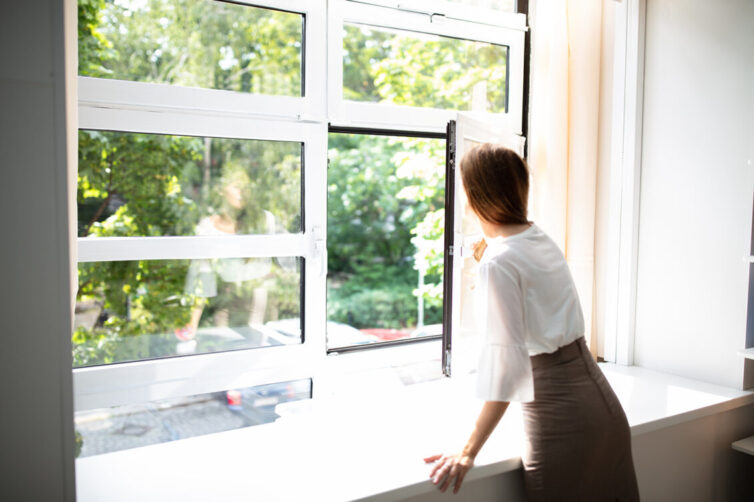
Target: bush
{"points": [[386, 307]]}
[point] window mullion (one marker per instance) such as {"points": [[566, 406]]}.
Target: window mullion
{"points": [[97, 249]]}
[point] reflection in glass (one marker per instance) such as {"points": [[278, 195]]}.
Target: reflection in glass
{"points": [[192, 43], [133, 184], [465, 336], [407, 68], [133, 310], [131, 426], [385, 226]]}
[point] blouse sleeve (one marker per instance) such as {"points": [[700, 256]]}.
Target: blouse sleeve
{"points": [[504, 372]]}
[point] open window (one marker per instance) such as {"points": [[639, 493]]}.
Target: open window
{"points": [[385, 224], [217, 249], [413, 66], [462, 232]]}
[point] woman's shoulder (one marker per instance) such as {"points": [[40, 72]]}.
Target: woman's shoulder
{"points": [[521, 251]]}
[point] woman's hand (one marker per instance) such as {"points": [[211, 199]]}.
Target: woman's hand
{"points": [[449, 468]]}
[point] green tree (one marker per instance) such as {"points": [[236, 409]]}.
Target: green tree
{"points": [[408, 69], [195, 43], [379, 190]]}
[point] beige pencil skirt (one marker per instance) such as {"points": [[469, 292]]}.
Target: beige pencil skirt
{"points": [[578, 438]]}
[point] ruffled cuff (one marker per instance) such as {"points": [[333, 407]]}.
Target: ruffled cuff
{"points": [[505, 374]]}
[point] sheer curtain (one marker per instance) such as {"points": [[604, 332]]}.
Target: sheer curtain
{"points": [[563, 132]]}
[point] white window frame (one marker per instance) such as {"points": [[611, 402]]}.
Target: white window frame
{"points": [[625, 181], [450, 10], [117, 105], [138, 381], [103, 92], [106, 104], [483, 130], [348, 113]]}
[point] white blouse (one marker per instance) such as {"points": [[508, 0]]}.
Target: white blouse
{"points": [[526, 305]]}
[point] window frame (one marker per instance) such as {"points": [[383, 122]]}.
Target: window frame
{"points": [[624, 191], [347, 113], [388, 132], [115, 93], [146, 380], [138, 107], [450, 10], [466, 126]]}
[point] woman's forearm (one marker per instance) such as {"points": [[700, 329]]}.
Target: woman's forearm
{"points": [[491, 413]]}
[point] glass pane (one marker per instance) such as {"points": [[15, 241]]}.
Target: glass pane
{"points": [[123, 427], [407, 68], [150, 184], [501, 5], [385, 228], [463, 339], [193, 43], [133, 310]]}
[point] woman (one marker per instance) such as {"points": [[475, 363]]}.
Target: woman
{"points": [[578, 439]]}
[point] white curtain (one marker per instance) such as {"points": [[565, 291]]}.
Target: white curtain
{"points": [[563, 132]]}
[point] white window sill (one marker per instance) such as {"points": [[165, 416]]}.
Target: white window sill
{"points": [[368, 446]]}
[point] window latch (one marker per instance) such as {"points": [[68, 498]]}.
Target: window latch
{"points": [[319, 251]]}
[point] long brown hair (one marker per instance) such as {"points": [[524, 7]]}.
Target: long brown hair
{"points": [[496, 181]]}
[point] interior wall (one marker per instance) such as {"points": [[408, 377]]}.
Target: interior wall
{"points": [[36, 413], [696, 189], [602, 211], [694, 461]]}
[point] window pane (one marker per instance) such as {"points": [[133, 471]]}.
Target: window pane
{"points": [[150, 184], [385, 227], [472, 233], [193, 43], [133, 310], [407, 68], [123, 427]]}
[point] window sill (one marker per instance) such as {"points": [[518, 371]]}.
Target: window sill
{"points": [[368, 446]]}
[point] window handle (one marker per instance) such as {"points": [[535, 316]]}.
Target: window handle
{"points": [[320, 251]]}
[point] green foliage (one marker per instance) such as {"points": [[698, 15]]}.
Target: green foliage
{"points": [[380, 189], [139, 173], [94, 48], [195, 43], [385, 195], [153, 185], [389, 306], [419, 70]]}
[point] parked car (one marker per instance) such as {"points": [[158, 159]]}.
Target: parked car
{"points": [[338, 334], [428, 330], [387, 334]]}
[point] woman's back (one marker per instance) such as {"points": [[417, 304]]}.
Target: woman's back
{"points": [[550, 305]]}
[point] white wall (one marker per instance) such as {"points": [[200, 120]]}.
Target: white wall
{"points": [[36, 413], [696, 188], [602, 210], [694, 461]]}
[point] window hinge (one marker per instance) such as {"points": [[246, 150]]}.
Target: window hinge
{"points": [[459, 251]]}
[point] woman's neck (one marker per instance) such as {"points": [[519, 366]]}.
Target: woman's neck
{"points": [[493, 230]]}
